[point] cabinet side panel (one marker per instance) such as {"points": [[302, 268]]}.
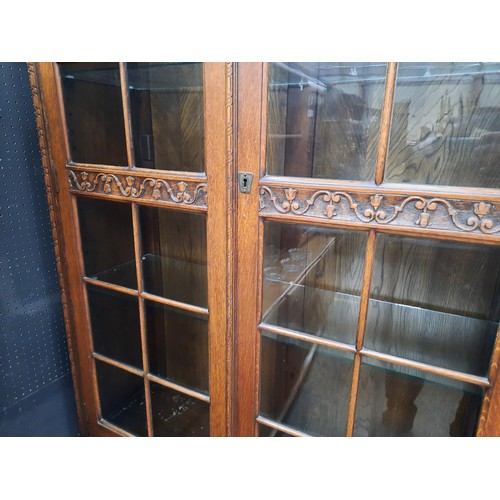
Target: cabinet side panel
{"points": [[52, 144]]}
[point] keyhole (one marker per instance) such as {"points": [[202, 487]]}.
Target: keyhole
{"points": [[245, 180]]}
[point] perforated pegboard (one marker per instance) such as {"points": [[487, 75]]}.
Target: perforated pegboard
{"points": [[32, 339]]}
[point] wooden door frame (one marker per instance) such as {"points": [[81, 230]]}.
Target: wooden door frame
{"points": [[218, 186], [295, 200]]}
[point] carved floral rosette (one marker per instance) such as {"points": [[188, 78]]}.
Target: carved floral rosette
{"points": [[381, 209], [131, 186]]}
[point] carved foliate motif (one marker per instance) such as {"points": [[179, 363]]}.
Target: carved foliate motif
{"points": [[402, 210], [129, 186]]}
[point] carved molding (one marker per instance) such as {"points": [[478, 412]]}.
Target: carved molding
{"points": [[382, 209], [133, 186], [54, 223], [230, 241]]}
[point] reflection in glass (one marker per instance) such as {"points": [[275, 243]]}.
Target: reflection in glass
{"points": [[400, 401], [174, 254], [305, 386], [324, 119], [115, 325], [107, 241], [312, 279], [166, 102], [178, 415], [265, 431], [178, 345], [122, 398], [94, 112], [435, 302], [446, 125]]}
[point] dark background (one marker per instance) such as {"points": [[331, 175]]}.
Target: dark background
{"points": [[36, 393]]}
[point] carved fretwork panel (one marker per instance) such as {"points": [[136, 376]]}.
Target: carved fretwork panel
{"points": [[405, 210], [129, 185]]}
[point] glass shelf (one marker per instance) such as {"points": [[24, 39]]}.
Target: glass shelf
{"points": [[391, 401], [141, 76], [437, 338], [162, 276]]}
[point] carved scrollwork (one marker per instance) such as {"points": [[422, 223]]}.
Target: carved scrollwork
{"points": [[381, 209], [129, 186]]}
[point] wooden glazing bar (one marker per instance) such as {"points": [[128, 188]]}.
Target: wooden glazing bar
{"points": [[111, 286], [489, 423], [445, 372], [385, 125], [142, 315], [178, 388], [114, 428], [360, 334], [353, 397], [118, 364], [127, 116], [280, 427], [306, 337], [174, 303], [365, 289]]}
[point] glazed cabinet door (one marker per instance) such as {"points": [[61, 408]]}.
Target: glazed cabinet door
{"points": [[369, 249], [134, 152]]}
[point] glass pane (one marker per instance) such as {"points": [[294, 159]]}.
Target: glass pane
{"points": [[324, 119], [446, 125], [178, 345], [122, 398], [312, 279], [400, 401], [94, 112], [107, 241], [178, 415], [167, 115], [174, 254], [305, 386], [115, 325], [434, 301]]}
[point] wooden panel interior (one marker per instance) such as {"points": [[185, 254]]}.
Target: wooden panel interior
{"points": [[167, 115], [122, 398], [446, 125], [431, 301], [94, 113], [174, 259], [178, 346], [324, 119], [107, 240]]}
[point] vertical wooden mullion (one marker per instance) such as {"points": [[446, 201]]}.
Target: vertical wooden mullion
{"points": [[248, 245], [363, 311], [218, 113], [385, 123], [142, 316], [127, 116]]}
